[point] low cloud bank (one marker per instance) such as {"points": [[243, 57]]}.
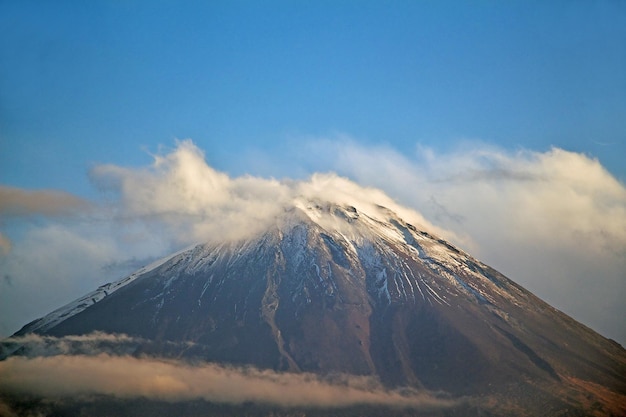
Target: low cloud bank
{"points": [[101, 363], [34, 345], [127, 377]]}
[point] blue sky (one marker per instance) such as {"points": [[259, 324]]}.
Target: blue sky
{"points": [[411, 89], [85, 82]]}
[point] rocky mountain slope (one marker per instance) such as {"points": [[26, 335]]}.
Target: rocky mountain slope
{"points": [[333, 289]]}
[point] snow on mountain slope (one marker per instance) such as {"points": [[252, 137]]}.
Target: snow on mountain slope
{"points": [[336, 288], [63, 313], [358, 235]]}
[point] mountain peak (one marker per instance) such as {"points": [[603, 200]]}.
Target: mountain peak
{"points": [[352, 288]]}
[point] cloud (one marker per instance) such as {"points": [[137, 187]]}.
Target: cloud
{"points": [[553, 221], [99, 363], [34, 345], [193, 201], [54, 263], [19, 202], [196, 203], [5, 245], [6, 410], [548, 195], [126, 376], [150, 212]]}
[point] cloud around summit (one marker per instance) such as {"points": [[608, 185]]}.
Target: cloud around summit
{"points": [[553, 221], [146, 213], [194, 202]]}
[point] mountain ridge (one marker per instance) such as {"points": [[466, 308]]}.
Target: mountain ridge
{"points": [[333, 288]]}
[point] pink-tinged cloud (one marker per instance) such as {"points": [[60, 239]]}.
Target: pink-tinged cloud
{"points": [[127, 377], [20, 202]]}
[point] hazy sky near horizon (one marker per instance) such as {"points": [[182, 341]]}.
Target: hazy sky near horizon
{"points": [[502, 122]]}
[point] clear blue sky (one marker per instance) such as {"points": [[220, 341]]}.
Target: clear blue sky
{"points": [[425, 90], [85, 82]]}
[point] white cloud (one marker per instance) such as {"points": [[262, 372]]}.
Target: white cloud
{"points": [[149, 212], [191, 199], [51, 265], [196, 203], [553, 221]]}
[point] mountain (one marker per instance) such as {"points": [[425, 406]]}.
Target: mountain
{"points": [[331, 289]]}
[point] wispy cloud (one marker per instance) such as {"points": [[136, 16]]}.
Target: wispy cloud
{"points": [[19, 202], [126, 376], [34, 345], [148, 212], [553, 221], [53, 263], [190, 199], [194, 202]]}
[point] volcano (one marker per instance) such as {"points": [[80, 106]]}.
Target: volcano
{"points": [[331, 289]]}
